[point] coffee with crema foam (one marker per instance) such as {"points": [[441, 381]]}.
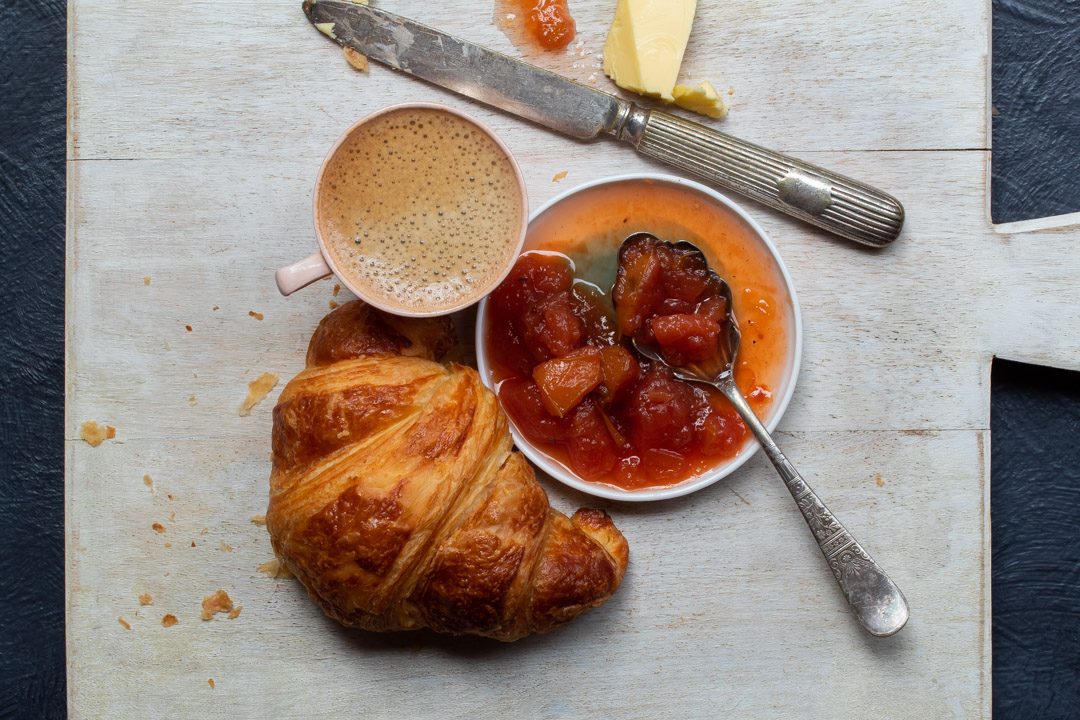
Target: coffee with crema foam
{"points": [[421, 210]]}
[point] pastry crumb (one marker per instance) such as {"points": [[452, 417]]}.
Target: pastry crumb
{"points": [[258, 389], [123, 623], [216, 308], [256, 315], [192, 543], [158, 528], [235, 612], [337, 289], [170, 496], [333, 304], [275, 569], [148, 481], [730, 90], [878, 480], [168, 545], [188, 328], [169, 620], [146, 280], [145, 599], [219, 602], [210, 682], [192, 401], [172, 516], [354, 58], [560, 176], [94, 434], [225, 547], [258, 519]]}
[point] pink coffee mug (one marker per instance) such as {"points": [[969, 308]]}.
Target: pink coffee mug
{"points": [[320, 264]]}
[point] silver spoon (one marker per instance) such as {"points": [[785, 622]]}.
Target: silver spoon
{"points": [[878, 604]]}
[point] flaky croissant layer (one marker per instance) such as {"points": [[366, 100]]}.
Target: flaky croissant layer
{"points": [[397, 500]]}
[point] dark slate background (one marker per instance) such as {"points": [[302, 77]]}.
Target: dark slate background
{"points": [[1035, 549], [1035, 500], [32, 128], [1036, 109]]}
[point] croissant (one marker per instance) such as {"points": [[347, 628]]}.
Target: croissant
{"points": [[397, 500]]}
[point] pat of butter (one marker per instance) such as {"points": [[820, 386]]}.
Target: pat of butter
{"points": [[701, 99], [645, 45]]}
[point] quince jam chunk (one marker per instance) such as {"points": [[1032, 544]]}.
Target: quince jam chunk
{"points": [[666, 296], [549, 22], [575, 387]]}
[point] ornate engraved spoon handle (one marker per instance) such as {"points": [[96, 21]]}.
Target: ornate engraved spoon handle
{"points": [[878, 604]]}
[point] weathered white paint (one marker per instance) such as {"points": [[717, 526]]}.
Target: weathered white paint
{"points": [[195, 136]]}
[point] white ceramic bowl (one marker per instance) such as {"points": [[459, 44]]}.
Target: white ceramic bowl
{"points": [[781, 393]]}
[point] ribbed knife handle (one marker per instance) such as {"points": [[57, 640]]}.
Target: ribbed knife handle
{"points": [[843, 206]]}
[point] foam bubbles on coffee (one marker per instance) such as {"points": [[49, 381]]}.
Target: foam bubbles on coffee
{"points": [[421, 210]]}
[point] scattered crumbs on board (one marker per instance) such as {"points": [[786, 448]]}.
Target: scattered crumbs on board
{"points": [[146, 599], [192, 401], [878, 480], [560, 176], [188, 328], [258, 519], [168, 545], [216, 308], [148, 481], [169, 620], [225, 547], [123, 623], [730, 90], [158, 528], [333, 304], [337, 289], [354, 58], [192, 543], [210, 682], [256, 315], [170, 496], [235, 612], [146, 280], [275, 569], [258, 389], [95, 434], [172, 516], [219, 602]]}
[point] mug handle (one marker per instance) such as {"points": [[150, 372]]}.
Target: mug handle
{"points": [[301, 274]]}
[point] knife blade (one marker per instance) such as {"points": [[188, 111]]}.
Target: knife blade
{"points": [[468, 69], [828, 200]]}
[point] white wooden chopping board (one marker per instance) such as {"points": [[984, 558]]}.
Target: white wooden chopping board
{"points": [[196, 130]]}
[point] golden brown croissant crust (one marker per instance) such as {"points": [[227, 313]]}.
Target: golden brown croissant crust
{"points": [[397, 500]]}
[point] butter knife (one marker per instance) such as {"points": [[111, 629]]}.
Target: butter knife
{"points": [[843, 206]]}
